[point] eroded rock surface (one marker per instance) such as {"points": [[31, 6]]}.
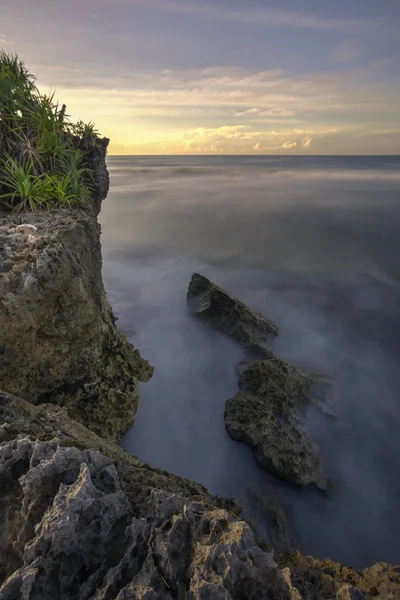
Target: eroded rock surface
{"points": [[82, 520], [72, 533], [58, 338], [224, 312], [318, 579], [264, 414]]}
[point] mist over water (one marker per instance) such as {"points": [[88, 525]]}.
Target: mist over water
{"points": [[314, 243]]}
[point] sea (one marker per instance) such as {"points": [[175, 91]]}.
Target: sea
{"points": [[313, 243]]}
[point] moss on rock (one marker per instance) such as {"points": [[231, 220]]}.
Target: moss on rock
{"points": [[264, 414]]}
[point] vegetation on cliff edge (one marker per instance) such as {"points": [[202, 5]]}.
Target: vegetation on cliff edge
{"points": [[42, 154]]}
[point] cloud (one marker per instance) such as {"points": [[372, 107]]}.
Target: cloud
{"points": [[250, 111], [257, 146], [306, 142], [289, 145], [5, 41], [267, 17], [346, 51]]}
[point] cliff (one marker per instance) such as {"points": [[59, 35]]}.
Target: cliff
{"points": [[58, 338]]}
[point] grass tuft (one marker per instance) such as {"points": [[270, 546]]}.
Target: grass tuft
{"points": [[43, 156]]}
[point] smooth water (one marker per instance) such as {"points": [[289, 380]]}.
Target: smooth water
{"points": [[312, 242]]}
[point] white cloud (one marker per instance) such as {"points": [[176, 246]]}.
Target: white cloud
{"points": [[306, 142], [289, 145], [250, 111], [5, 41], [257, 146]]}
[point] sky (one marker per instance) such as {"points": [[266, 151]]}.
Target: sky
{"points": [[219, 76]]}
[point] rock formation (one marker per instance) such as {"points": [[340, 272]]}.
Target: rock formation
{"points": [[264, 414], [80, 519], [265, 411], [58, 339], [77, 523], [226, 313]]}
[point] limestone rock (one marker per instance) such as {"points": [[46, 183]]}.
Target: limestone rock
{"points": [[265, 411], [58, 338], [71, 533], [47, 421], [80, 519], [320, 580], [226, 313], [264, 414]]}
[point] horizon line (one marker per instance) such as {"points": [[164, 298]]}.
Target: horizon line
{"points": [[261, 155]]}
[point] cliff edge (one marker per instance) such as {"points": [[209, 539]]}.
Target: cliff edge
{"points": [[58, 339]]}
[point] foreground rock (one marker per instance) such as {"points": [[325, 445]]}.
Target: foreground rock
{"points": [[75, 525], [317, 579], [58, 339], [80, 519], [264, 414], [229, 315]]}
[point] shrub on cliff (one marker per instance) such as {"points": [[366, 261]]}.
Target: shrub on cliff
{"points": [[42, 154]]}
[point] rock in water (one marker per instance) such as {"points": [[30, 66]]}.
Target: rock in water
{"points": [[228, 314], [264, 414]]}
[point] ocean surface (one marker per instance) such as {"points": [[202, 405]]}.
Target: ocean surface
{"points": [[312, 242]]}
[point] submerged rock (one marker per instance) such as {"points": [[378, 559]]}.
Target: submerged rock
{"points": [[267, 509], [226, 313], [264, 414]]}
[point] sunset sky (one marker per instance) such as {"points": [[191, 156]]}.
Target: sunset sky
{"points": [[219, 76]]}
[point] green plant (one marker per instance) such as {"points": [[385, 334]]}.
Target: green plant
{"points": [[24, 190], [25, 149], [86, 132], [61, 191], [43, 156], [72, 165]]}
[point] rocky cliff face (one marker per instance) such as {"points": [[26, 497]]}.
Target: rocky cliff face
{"points": [[58, 339]]}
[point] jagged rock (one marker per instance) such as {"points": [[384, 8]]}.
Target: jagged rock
{"points": [[264, 414], [47, 421], [73, 534], [77, 523], [58, 338], [318, 580], [226, 313]]}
